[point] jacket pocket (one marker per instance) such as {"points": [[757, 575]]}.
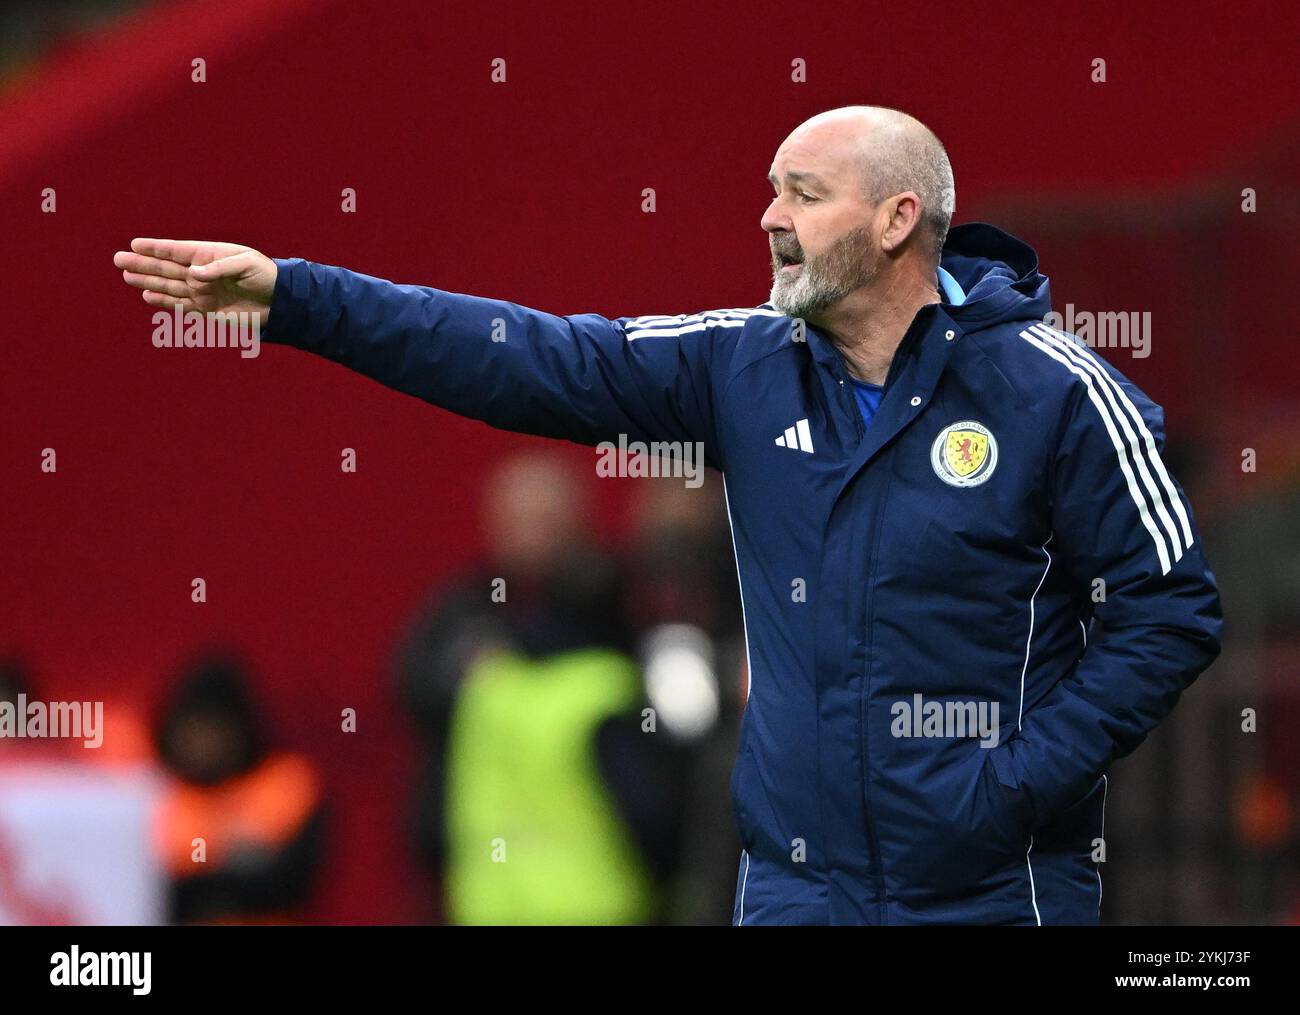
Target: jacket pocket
{"points": [[958, 833], [1077, 827], [738, 807], [1007, 811]]}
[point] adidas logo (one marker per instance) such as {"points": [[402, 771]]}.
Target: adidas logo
{"points": [[798, 437]]}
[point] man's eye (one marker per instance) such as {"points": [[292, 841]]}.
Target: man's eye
{"points": [[806, 198]]}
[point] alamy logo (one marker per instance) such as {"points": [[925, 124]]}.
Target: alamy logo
{"points": [[218, 329], [75, 968], [946, 719], [678, 459], [798, 437], [1106, 329], [59, 720]]}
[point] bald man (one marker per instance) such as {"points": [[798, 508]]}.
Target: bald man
{"points": [[969, 582]]}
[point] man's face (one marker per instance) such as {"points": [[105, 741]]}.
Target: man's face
{"points": [[819, 224]]}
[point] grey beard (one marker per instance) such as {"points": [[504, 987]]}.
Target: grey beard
{"points": [[825, 281], [809, 294]]}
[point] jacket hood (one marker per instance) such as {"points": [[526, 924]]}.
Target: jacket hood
{"points": [[999, 275]]}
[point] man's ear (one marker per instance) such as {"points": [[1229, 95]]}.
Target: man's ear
{"points": [[903, 213]]}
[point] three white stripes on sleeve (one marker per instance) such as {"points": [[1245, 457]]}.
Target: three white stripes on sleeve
{"points": [[1135, 447]]}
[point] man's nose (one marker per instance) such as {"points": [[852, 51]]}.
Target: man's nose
{"points": [[775, 220]]}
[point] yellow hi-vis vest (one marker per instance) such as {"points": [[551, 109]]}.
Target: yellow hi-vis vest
{"points": [[533, 836]]}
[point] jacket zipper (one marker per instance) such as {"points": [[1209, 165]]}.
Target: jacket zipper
{"points": [[872, 839], [850, 399], [877, 856], [873, 842]]}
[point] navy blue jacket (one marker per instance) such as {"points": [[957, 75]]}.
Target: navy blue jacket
{"points": [[1003, 534]]}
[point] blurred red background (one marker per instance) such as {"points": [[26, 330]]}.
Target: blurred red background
{"points": [[175, 466]]}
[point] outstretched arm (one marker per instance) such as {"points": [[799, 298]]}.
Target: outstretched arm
{"points": [[582, 377]]}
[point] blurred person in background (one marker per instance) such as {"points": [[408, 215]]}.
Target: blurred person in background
{"points": [[76, 797], [522, 682], [18, 904], [258, 811], [124, 738], [682, 566], [1253, 531], [684, 605]]}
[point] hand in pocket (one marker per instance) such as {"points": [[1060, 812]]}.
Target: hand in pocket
{"points": [[1001, 813]]}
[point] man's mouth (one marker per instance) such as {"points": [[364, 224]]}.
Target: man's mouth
{"points": [[787, 261]]}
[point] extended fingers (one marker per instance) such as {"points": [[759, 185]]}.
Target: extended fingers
{"points": [[180, 251], [142, 264], [155, 283], [162, 300]]}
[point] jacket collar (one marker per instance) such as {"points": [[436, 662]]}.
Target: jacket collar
{"points": [[999, 275]]}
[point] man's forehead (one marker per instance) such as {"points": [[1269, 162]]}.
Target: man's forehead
{"points": [[818, 154], [797, 176]]}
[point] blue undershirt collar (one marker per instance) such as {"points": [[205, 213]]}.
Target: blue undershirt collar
{"points": [[952, 292]]}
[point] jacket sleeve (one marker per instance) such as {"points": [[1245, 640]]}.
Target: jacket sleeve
{"points": [[1117, 516], [583, 378]]}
